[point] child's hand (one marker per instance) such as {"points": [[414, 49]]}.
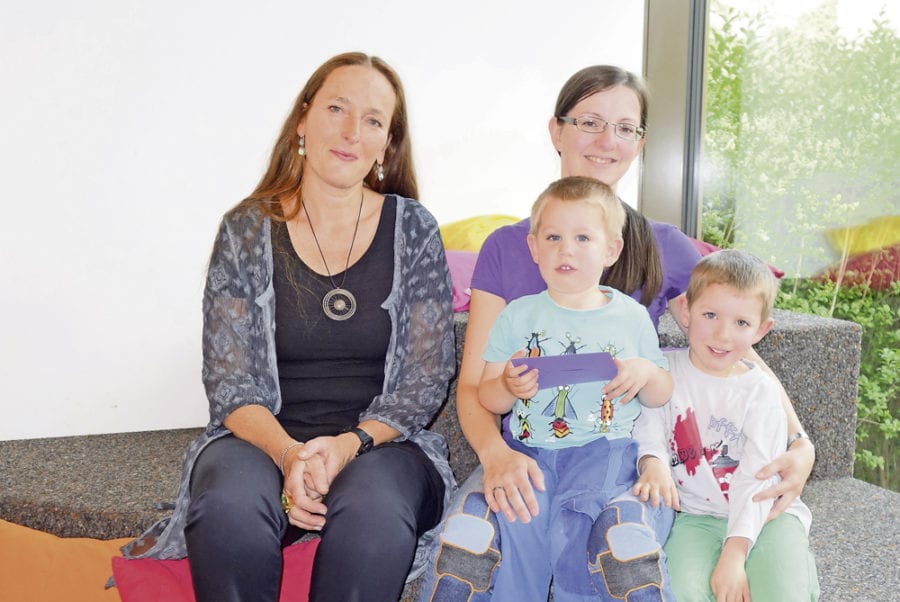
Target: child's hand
{"points": [[632, 376], [729, 579], [519, 380], [655, 483]]}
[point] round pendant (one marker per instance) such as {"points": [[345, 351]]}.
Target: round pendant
{"points": [[339, 304]]}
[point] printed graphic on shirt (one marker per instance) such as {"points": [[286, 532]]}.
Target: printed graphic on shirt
{"points": [[524, 427], [572, 347], [604, 418], [574, 412], [689, 449], [723, 467], [533, 348], [561, 410]]}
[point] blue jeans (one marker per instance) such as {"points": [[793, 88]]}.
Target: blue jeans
{"points": [[625, 559]]}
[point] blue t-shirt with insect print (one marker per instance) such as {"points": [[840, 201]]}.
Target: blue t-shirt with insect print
{"points": [[571, 415]]}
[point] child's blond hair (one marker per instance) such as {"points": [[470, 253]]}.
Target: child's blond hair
{"points": [[588, 190], [739, 270]]}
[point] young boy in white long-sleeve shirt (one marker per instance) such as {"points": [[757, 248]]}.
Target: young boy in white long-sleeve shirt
{"points": [[723, 424]]}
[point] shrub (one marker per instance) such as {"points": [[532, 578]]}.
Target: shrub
{"points": [[878, 406]]}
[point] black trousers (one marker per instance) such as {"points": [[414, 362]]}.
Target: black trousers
{"points": [[378, 506]]}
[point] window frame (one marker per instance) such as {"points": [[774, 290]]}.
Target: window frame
{"points": [[674, 66]]}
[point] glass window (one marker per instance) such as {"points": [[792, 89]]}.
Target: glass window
{"points": [[801, 142], [799, 164]]}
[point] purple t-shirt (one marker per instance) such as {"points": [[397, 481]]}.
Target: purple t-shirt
{"points": [[505, 267]]}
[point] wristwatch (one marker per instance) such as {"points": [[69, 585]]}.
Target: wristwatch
{"points": [[365, 440], [795, 436]]}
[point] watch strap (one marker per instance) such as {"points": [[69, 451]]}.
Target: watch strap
{"points": [[365, 440]]}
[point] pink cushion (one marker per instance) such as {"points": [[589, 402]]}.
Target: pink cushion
{"points": [[461, 264], [148, 580]]}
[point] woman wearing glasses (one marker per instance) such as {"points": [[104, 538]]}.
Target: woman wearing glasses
{"points": [[598, 129]]}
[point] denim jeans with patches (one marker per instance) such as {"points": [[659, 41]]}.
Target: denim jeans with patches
{"points": [[624, 559]]}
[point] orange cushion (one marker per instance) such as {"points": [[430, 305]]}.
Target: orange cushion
{"points": [[39, 566]]}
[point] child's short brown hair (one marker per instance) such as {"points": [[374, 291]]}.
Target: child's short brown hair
{"points": [[579, 188], [739, 270]]}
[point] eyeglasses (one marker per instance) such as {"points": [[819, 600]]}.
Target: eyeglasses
{"points": [[595, 125]]}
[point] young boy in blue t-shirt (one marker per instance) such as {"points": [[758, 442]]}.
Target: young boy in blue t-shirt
{"points": [[579, 433]]}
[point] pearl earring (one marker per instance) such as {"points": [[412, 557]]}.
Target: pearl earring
{"points": [[301, 150], [379, 172]]}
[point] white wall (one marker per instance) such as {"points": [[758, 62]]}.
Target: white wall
{"points": [[128, 127]]}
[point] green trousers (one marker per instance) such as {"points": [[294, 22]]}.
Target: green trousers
{"points": [[780, 565]]}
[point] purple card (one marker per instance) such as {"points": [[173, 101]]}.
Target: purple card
{"points": [[556, 370]]}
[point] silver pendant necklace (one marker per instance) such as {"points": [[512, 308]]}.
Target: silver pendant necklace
{"points": [[338, 303]]}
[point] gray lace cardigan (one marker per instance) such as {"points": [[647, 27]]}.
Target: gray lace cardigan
{"points": [[239, 365]]}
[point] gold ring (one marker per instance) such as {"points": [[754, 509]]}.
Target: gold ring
{"points": [[286, 502]]}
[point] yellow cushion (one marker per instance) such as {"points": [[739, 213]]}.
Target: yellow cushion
{"points": [[877, 234], [38, 566], [469, 234]]}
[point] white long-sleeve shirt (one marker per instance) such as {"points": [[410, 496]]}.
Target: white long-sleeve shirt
{"points": [[718, 433]]}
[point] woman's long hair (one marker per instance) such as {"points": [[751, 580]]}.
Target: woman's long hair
{"points": [[285, 171], [639, 265]]}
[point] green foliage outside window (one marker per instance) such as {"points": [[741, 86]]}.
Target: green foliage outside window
{"points": [[802, 135], [878, 406]]}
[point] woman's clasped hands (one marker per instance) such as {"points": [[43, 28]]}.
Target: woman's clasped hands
{"points": [[308, 475]]}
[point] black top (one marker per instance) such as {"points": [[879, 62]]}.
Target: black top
{"points": [[329, 371]]}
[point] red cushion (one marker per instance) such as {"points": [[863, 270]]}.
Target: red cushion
{"points": [[148, 580], [878, 268]]}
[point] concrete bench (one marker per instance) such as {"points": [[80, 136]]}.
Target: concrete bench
{"points": [[109, 486]]}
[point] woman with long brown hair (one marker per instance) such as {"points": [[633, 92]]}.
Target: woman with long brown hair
{"points": [[327, 348]]}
